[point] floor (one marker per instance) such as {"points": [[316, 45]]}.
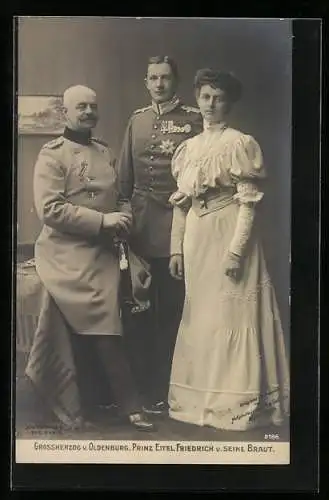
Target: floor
{"points": [[33, 421]]}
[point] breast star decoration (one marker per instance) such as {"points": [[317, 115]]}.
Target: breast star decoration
{"points": [[167, 147]]}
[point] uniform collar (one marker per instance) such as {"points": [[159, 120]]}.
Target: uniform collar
{"points": [[78, 136], [165, 107]]}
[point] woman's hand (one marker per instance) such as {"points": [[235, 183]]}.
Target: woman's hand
{"points": [[118, 221], [176, 266], [179, 199], [233, 266]]}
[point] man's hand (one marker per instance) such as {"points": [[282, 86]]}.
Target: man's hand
{"points": [[233, 266], [117, 221], [176, 267]]}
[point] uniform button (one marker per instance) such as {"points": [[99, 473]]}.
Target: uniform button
{"points": [[151, 157], [150, 168], [158, 117], [152, 146], [153, 136], [155, 126], [150, 188]]}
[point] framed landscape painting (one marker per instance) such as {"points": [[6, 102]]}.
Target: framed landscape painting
{"points": [[40, 115]]}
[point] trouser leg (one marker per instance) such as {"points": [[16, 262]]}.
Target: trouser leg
{"points": [[105, 354], [90, 378], [168, 310], [140, 341], [110, 351], [151, 335]]}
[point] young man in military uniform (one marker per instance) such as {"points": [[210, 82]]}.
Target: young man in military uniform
{"points": [[77, 201], [144, 168]]}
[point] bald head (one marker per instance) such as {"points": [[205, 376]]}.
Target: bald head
{"points": [[80, 107], [76, 93]]}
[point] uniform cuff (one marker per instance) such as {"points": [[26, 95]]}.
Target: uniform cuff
{"points": [[91, 221]]}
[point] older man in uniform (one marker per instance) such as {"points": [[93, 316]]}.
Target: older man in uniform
{"points": [[152, 135], [77, 201]]}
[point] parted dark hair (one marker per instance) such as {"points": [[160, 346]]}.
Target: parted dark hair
{"points": [[165, 59], [219, 80]]}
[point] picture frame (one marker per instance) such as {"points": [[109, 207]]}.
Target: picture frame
{"points": [[40, 115], [54, 458]]}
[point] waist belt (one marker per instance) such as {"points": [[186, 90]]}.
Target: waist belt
{"points": [[207, 204]]}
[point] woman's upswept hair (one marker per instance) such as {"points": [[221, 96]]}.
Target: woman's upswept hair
{"points": [[219, 80], [165, 59]]}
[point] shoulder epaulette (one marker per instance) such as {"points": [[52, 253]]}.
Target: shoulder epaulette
{"points": [[190, 109], [99, 141], [141, 110], [55, 143]]}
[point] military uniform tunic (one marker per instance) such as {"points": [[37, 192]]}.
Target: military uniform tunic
{"points": [[144, 168], [74, 185]]}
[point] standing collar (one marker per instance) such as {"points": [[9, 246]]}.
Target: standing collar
{"points": [[78, 136], [213, 126], [165, 107]]}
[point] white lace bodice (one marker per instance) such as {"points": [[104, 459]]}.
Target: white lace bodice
{"points": [[219, 156]]}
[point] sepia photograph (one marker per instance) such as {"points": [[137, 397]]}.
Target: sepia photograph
{"points": [[152, 307]]}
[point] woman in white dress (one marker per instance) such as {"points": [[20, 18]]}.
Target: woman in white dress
{"points": [[230, 368]]}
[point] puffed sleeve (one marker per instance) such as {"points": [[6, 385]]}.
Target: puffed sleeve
{"points": [[179, 213], [247, 169], [52, 206], [178, 158]]}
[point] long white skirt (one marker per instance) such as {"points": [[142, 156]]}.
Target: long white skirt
{"points": [[230, 368]]}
